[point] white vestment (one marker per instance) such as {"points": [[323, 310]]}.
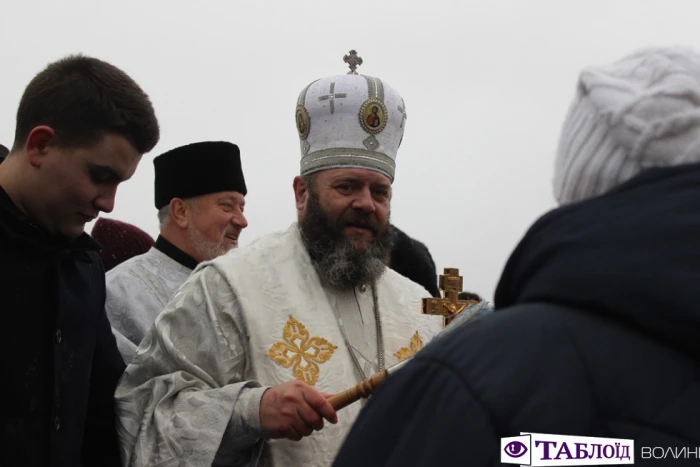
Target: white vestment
{"points": [[137, 291], [251, 319]]}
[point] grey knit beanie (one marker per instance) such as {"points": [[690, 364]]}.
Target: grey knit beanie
{"points": [[639, 112]]}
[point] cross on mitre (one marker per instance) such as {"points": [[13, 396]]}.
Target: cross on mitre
{"points": [[449, 306], [353, 60]]}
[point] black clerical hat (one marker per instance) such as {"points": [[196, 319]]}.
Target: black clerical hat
{"points": [[198, 169]]}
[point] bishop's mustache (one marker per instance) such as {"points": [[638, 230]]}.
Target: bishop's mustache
{"points": [[359, 218]]}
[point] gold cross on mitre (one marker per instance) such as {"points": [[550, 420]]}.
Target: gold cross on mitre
{"points": [[450, 305]]}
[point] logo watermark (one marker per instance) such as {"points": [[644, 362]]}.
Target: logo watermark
{"points": [[658, 452], [538, 449]]}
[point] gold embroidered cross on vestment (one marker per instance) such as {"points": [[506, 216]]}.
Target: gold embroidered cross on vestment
{"points": [[299, 350], [407, 352]]}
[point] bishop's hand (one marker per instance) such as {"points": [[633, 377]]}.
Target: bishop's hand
{"points": [[294, 410]]}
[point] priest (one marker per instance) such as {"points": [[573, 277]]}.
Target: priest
{"points": [[200, 197], [238, 368]]}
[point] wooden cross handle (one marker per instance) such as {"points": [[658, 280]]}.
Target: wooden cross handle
{"points": [[362, 390]]}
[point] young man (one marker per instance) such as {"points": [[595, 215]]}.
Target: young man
{"points": [[243, 356], [200, 197], [82, 127], [597, 318]]}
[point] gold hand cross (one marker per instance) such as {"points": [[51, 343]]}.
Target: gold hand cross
{"points": [[449, 306]]}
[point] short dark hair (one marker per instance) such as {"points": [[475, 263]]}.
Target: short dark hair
{"points": [[470, 296], [82, 98], [3, 152]]}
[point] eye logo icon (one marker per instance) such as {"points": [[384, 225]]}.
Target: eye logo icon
{"points": [[515, 449]]}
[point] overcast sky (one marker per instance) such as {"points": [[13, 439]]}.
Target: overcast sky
{"points": [[486, 85]]}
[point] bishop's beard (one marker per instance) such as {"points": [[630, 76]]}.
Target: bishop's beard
{"points": [[338, 263]]}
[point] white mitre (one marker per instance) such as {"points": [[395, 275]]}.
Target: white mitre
{"points": [[350, 120]]}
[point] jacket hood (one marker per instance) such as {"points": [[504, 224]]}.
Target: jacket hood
{"points": [[632, 255]]}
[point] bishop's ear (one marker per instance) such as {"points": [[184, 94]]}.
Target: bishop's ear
{"points": [[301, 192]]}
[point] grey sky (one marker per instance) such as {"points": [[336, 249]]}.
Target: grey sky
{"points": [[486, 86]]}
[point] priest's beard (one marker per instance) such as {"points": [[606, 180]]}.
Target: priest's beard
{"points": [[338, 263], [207, 249]]}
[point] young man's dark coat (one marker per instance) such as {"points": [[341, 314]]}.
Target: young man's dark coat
{"points": [[60, 362]]}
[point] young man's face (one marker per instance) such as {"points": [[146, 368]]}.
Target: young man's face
{"points": [[76, 184]]}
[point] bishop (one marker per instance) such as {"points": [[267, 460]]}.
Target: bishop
{"points": [[239, 365]]}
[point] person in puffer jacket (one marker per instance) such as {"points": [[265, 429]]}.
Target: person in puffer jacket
{"points": [[596, 328], [412, 259]]}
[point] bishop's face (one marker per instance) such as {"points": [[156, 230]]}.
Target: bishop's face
{"points": [[344, 219]]}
